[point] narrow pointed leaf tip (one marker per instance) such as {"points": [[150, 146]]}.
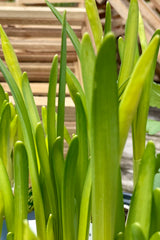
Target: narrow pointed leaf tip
{"points": [[11, 58]]}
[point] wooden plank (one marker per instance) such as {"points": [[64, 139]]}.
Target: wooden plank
{"points": [[38, 88], [42, 2], [151, 16], [36, 31], [156, 3], [39, 72], [39, 15]]}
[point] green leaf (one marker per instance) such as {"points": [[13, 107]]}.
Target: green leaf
{"points": [[62, 84], [105, 141], [141, 213], [68, 191], [45, 168], [131, 32], [155, 95], [107, 26], [121, 45], [51, 105], [137, 233], [82, 163], [10, 236], [84, 218], [30, 147], [155, 217], [87, 55], [44, 120], [141, 32], [155, 236], [11, 58], [70, 32], [5, 140], [120, 236], [58, 168], [140, 120], [29, 102], [131, 96], [2, 96], [7, 195], [21, 177], [152, 127], [1, 212], [50, 231], [94, 20], [75, 87]]}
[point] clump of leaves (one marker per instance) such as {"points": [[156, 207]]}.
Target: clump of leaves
{"points": [[105, 110]]}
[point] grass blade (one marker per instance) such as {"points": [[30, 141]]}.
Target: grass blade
{"points": [[5, 189], [10, 236], [45, 168], [131, 33], [105, 141], [141, 213], [70, 32], [137, 233], [30, 147], [1, 212], [75, 87], [128, 107], [4, 138], [50, 231], [68, 204], [84, 217], [94, 20], [29, 102], [82, 163], [62, 84], [107, 26], [87, 55], [155, 236], [51, 122], [21, 188], [11, 58], [58, 168]]}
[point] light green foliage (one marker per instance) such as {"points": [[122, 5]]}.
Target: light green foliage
{"points": [[141, 213], [11, 58], [21, 188], [95, 23], [130, 44], [105, 141], [68, 190]]}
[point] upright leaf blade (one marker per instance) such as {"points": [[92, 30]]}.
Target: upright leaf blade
{"points": [[11, 58], [51, 122], [87, 55], [7, 195], [133, 91], [141, 213], [131, 33], [68, 208], [29, 102], [70, 32], [94, 20], [30, 147], [105, 141], [62, 84], [107, 26], [21, 188]]}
